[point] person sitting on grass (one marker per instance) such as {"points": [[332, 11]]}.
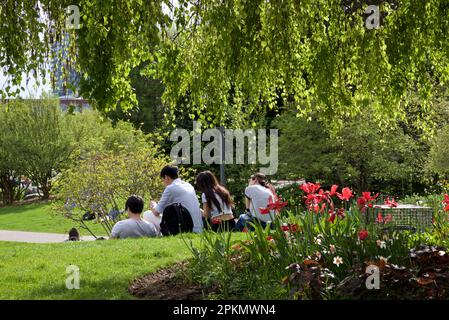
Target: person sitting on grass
{"points": [[178, 191], [73, 235], [134, 226], [258, 194], [217, 202]]}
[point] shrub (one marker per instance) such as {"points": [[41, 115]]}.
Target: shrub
{"points": [[360, 154], [101, 184], [439, 153]]}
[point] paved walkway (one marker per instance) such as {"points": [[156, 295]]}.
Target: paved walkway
{"points": [[36, 237]]}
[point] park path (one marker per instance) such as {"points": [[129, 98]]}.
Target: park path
{"points": [[36, 237]]}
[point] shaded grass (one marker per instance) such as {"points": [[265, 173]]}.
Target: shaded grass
{"points": [[40, 217], [38, 271]]}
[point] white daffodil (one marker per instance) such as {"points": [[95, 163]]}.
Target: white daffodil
{"points": [[338, 260], [381, 244], [332, 249]]}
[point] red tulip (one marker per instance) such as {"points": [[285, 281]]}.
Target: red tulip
{"points": [[264, 210], [333, 190], [388, 218], [310, 187], [345, 195], [293, 227], [365, 200], [446, 202], [332, 216], [379, 218], [340, 213], [363, 234], [367, 196], [361, 202], [273, 206], [391, 203]]}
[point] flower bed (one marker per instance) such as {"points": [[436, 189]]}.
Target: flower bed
{"points": [[326, 252]]}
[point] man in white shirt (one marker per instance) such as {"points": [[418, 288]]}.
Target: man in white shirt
{"points": [[178, 191]]}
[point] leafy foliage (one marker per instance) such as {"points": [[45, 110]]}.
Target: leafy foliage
{"points": [[439, 154], [237, 57], [233, 59], [36, 142], [360, 154], [102, 183]]}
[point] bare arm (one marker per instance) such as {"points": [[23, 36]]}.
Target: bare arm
{"points": [[206, 210]]}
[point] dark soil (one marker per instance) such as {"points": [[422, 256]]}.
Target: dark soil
{"points": [[167, 284]]}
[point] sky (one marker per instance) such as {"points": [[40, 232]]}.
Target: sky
{"points": [[32, 90]]}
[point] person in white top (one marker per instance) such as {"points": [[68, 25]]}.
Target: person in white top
{"points": [[258, 194], [217, 202], [178, 191]]}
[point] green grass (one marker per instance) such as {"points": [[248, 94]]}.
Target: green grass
{"points": [[38, 271], [40, 217]]}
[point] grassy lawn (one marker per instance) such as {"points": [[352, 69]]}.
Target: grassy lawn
{"points": [[38, 271], [40, 217]]}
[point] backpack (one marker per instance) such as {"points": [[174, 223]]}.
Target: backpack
{"points": [[176, 219], [88, 216]]}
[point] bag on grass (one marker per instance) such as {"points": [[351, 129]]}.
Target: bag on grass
{"points": [[88, 216]]}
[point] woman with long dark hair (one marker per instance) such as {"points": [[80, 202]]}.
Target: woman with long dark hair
{"points": [[217, 202]]}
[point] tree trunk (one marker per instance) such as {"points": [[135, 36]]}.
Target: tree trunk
{"points": [[7, 186], [46, 190]]}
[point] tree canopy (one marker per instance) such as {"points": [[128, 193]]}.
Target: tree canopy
{"points": [[228, 59]]}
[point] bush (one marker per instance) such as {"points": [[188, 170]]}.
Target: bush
{"points": [[439, 153], [101, 184], [360, 154], [91, 133]]}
